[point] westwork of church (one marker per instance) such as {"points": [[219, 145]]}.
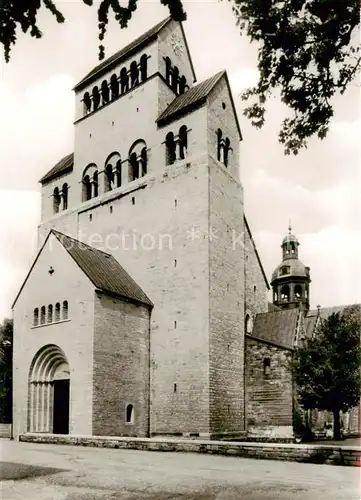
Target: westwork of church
{"points": [[133, 320]]}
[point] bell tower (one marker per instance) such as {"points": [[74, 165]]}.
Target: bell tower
{"points": [[291, 279]]}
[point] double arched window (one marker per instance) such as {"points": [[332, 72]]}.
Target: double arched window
{"points": [[90, 182], [223, 148], [176, 82], [112, 172], [138, 160], [60, 198], [176, 146]]}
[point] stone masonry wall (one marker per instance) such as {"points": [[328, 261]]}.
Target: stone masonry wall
{"points": [[226, 271], [121, 367], [269, 398]]}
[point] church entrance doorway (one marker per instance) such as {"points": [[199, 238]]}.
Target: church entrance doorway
{"points": [[61, 407], [49, 392]]}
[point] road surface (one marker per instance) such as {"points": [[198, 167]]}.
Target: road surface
{"points": [[55, 472]]}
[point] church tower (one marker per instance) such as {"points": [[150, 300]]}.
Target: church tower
{"points": [[291, 279]]}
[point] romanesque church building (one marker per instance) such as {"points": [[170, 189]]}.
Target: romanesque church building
{"points": [[146, 309]]}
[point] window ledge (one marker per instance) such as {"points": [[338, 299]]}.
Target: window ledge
{"points": [[52, 323]]}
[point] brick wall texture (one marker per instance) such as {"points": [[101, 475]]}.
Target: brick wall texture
{"points": [[269, 396]]}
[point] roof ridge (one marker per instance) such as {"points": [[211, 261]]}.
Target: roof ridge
{"points": [[132, 45]]}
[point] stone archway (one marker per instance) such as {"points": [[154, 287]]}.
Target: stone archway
{"points": [[49, 389]]}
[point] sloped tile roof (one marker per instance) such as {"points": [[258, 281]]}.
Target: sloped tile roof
{"points": [[64, 165], [325, 312], [187, 101], [103, 270], [277, 327], [310, 325], [123, 53], [273, 307]]}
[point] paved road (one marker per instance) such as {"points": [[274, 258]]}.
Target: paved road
{"points": [[103, 474]]}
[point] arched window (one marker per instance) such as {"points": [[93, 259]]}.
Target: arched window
{"points": [[182, 84], [143, 161], [36, 317], [175, 77], [118, 173], [168, 70], [56, 200], [129, 414], [111, 174], [65, 309], [108, 178], [219, 145], [87, 103], [266, 367], [95, 183], [87, 188], [64, 195], [57, 311], [170, 149], [42, 315], [50, 313], [138, 162], [183, 142], [247, 324], [114, 86], [105, 91], [124, 80], [298, 292], [134, 167], [96, 98], [227, 148], [134, 74], [143, 67], [90, 182], [285, 293]]}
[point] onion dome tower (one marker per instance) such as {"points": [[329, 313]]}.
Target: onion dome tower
{"points": [[291, 279]]}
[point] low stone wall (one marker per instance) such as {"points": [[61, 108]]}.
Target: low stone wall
{"points": [[317, 454], [5, 431]]}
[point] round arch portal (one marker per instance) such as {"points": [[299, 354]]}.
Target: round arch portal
{"points": [[49, 384]]}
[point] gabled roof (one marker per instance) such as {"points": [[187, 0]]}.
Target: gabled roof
{"points": [[102, 269], [64, 166], [126, 51], [194, 98], [190, 99], [277, 327]]}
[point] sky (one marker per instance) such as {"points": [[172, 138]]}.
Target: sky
{"points": [[319, 190]]}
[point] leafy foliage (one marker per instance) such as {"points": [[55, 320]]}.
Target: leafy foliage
{"points": [[327, 367], [309, 50], [24, 14], [6, 353]]}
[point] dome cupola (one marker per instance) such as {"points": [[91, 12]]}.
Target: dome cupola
{"points": [[291, 279]]}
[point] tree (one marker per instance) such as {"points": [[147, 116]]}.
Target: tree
{"points": [[308, 50], [326, 368], [6, 362]]}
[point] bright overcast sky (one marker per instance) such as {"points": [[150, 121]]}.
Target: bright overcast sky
{"points": [[319, 190]]}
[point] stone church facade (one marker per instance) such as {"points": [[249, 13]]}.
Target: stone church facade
{"points": [[145, 311]]}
